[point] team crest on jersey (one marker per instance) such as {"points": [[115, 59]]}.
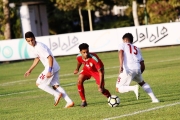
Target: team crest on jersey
{"points": [[91, 64], [87, 65]]}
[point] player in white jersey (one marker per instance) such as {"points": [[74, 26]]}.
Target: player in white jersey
{"points": [[48, 79], [131, 68]]}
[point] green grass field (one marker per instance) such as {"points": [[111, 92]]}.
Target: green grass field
{"points": [[20, 99]]}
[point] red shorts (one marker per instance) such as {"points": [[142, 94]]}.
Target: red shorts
{"points": [[90, 74]]}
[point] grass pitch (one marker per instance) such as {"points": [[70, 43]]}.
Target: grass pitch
{"points": [[20, 99]]}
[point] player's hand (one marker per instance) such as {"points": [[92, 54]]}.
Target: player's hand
{"points": [[27, 73], [120, 69], [49, 74], [76, 71]]}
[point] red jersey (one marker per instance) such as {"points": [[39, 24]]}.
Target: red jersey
{"points": [[93, 63]]}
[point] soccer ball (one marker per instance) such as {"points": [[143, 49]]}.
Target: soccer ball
{"points": [[113, 101]]}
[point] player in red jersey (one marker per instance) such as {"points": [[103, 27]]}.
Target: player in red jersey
{"points": [[93, 67]]}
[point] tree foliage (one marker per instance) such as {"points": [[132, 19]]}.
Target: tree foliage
{"points": [[67, 5], [1, 21], [63, 16], [161, 11]]}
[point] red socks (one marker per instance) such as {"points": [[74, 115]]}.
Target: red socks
{"points": [[81, 92], [106, 93]]}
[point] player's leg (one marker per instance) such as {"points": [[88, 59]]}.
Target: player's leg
{"points": [[149, 91], [81, 90], [146, 88], [43, 83], [56, 86], [105, 91], [123, 82], [84, 75]]}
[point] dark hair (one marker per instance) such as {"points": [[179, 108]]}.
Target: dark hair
{"points": [[29, 35], [129, 36], [83, 46]]}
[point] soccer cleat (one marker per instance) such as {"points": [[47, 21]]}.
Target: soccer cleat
{"points": [[84, 104], [57, 99], [155, 101], [68, 105], [136, 91]]}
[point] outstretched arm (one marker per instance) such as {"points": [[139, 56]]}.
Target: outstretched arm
{"points": [[142, 66], [28, 72], [101, 75], [121, 58], [77, 68], [50, 59]]}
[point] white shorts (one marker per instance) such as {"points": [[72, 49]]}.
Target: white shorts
{"points": [[125, 78], [54, 80]]}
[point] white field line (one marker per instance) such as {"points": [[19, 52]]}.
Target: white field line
{"points": [[20, 81], [31, 91], [18, 93], [70, 84], [142, 111], [69, 74]]}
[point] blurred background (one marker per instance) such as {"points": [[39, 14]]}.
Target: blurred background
{"points": [[51, 17]]}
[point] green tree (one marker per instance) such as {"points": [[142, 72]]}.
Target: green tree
{"points": [[162, 11], [68, 5], [1, 20], [7, 27]]}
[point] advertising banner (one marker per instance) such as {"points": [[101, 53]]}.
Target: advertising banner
{"points": [[99, 41]]}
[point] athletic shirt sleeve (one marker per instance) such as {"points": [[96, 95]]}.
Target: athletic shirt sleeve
{"points": [[140, 54], [97, 62], [79, 58], [121, 47], [43, 50], [32, 52]]}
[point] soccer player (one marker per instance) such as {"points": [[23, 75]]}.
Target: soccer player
{"points": [[93, 67], [131, 68], [50, 75]]}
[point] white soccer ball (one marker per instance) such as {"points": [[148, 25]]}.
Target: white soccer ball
{"points": [[113, 101]]}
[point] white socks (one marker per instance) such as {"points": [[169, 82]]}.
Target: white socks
{"points": [[149, 91], [48, 89], [123, 89], [146, 87], [64, 95]]}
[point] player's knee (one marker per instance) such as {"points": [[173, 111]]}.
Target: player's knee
{"points": [[55, 87], [117, 90], [80, 81], [141, 83]]}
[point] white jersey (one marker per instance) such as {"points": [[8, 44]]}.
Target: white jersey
{"points": [[41, 51], [132, 56]]}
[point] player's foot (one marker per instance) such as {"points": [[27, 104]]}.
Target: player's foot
{"points": [[84, 104], [68, 105], [136, 91], [155, 101], [57, 99]]}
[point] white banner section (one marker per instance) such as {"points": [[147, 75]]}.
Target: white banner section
{"points": [[99, 41], [153, 35]]}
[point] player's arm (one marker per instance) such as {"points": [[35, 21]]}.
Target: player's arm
{"points": [[121, 58], [50, 60], [100, 68], [101, 75], [77, 67], [35, 62], [142, 66]]}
